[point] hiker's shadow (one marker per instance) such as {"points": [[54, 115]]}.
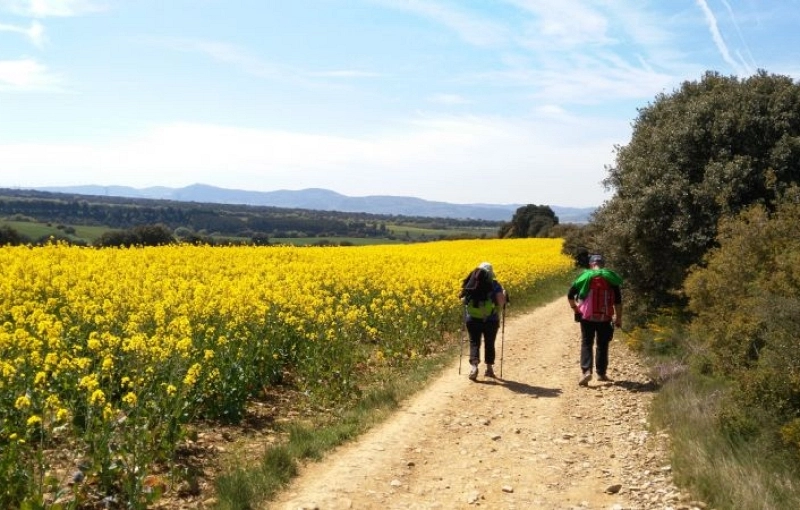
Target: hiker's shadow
{"points": [[525, 389]]}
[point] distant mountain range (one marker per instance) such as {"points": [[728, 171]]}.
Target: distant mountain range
{"points": [[324, 200]]}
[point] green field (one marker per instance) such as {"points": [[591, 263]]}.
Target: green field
{"points": [[403, 232], [35, 230], [355, 241]]}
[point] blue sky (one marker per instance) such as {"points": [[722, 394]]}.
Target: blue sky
{"points": [[462, 101]]}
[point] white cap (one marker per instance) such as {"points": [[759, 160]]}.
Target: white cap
{"points": [[487, 267]]}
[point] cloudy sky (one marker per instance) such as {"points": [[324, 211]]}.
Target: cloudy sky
{"points": [[462, 101]]}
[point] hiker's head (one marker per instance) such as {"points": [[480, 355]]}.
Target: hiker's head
{"points": [[488, 268], [597, 261]]}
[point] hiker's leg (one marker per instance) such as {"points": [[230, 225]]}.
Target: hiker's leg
{"points": [[604, 334], [490, 329], [587, 345], [475, 330]]}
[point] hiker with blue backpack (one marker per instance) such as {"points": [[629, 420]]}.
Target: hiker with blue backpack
{"points": [[596, 300], [484, 299]]}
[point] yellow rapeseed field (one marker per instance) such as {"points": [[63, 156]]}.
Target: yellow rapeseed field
{"points": [[117, 349]]}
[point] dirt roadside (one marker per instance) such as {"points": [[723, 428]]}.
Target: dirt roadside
{"points": [[532, 439]]}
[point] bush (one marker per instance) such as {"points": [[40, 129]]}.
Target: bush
{"points": [[748, 312], [142, 235], [9, 236]]}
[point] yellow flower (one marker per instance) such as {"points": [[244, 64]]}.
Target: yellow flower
{"points": [[62, 415], [130, 399], [39, 378], [192, 374], [22, 402], [88, 382], [97, 398], [52, 402], [34, 420]]}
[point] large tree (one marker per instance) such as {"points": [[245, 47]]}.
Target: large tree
{"points": [[530, 221], [705, 152]]}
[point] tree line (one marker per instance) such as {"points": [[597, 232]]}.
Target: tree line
{"points": [[148, 220]]}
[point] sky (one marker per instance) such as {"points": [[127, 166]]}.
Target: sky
{"points": [[460, 101]]}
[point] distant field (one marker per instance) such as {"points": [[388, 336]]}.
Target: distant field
{"points": [[34, 230], [403, 231], [356, 241]]}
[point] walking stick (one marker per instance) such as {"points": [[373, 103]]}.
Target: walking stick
{"points": [[463, 333], [502, 339]]}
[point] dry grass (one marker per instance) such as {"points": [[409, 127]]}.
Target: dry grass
{"points": [[728, 474]]}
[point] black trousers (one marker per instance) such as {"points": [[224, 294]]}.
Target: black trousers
{"points": [[486, 330], [602, 333]]}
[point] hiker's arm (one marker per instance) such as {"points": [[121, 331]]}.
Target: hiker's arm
{"points": [[499, 294], [573, 291], [617, 307]]}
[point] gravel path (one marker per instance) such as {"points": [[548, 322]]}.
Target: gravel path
{"points": [[532, 439]]}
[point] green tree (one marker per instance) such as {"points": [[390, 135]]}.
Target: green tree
{"points": [[142, 235], [530, 221], [705, 152], [10, 236]]}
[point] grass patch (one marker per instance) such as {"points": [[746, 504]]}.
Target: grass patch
{"points": [[243, 488], [36, 230], [741, 475]]}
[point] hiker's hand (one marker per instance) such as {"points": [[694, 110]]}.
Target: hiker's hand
{"points": [[618, 323]]}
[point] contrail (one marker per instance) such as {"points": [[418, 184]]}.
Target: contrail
{"points": [[718, 40], [750, 61]]}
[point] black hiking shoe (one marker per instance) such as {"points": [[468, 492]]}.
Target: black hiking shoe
{"points": [[585, 378], [489, 371]]}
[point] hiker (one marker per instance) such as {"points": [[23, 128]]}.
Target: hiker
{"points": [[596, 300], [484, 298]]}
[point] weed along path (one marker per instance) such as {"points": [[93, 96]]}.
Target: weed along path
{"points": [[532, 439]]}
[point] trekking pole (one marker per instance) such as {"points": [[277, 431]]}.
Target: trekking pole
{"points": [[463, 332], [502, 338]]}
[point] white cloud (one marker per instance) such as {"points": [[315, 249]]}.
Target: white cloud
{"points": [[449, 99], [345, 74], [54, 8], [222, 52], [471, 28], [454, 159], [564, 24], [35, 32], [27, 75]]}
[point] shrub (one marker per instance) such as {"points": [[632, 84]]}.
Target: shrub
{"points": [[747, 309]]}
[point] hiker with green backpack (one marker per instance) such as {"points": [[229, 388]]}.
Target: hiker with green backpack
{"points": [[596, 300], [484, 299]]}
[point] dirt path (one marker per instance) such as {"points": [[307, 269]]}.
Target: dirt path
{"points": [[532, 439]]}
